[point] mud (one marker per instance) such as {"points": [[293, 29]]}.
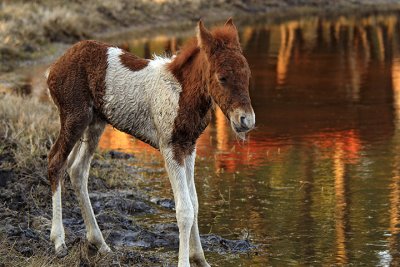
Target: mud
{"points": [[25, 215]]}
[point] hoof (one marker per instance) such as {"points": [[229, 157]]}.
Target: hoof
{"points": [[104, 249], [61, 251]]}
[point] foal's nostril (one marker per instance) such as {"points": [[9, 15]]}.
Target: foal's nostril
{"points": [[243, 122]]}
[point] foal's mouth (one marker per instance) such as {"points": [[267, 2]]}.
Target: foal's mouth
{"points": [[242, 122], [240, 131]]}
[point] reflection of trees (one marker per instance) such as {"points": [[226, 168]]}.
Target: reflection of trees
{"points": [[394, 210], [301, 42], [287, 39]]}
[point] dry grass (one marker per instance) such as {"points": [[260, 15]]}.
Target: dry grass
{"points": [[30, 127], [79, 255], [27, 24]]}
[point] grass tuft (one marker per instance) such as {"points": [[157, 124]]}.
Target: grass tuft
{"points": [[30, 127]]}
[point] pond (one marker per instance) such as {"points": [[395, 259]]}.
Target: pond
{"points": [[318, 181]]}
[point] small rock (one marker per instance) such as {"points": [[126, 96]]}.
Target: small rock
{"points": [[5, 176], [165, 203], [119, 155], [25, 251]]}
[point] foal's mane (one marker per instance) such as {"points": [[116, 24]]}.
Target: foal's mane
{"points": [[185, 55]]}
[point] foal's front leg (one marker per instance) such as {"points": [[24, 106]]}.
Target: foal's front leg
{"points": [[196, 251], [183, 204]]}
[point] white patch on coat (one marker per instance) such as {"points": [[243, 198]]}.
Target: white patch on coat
{"points": [[142, 103]]}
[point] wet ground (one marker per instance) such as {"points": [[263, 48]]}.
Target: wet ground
{"points": [[317, 183]]}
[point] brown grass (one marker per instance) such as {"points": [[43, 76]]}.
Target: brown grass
{"points": [[79, 255], [30, 126]]}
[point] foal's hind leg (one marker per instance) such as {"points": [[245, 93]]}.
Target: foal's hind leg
{"points": [[71, 130], [79, 173]]}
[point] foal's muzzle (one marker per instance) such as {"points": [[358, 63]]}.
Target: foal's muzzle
{"points": [[242, 121]]}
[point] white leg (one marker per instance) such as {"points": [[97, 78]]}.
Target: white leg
{"points": [[79, 173], [196, 251], [57, 234], [184, 207]]}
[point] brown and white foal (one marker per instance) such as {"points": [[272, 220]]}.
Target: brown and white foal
{"points": [[165, 102]]}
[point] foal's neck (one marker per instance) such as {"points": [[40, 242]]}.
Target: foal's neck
{"points": [[190, 68]]}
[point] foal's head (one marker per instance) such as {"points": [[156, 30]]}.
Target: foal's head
{"points": [[229, 75]]}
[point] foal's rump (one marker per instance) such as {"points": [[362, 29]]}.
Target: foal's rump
{"points": [[76, 80]]}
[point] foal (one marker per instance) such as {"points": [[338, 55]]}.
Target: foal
{"points": [[164, 102]]}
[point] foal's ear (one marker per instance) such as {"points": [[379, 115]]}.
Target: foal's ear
{"points": [[204, 36], [229, 23]]}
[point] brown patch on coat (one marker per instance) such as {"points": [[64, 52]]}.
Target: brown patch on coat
{"points": [[133, 62], [76, 83], [200, 68]]}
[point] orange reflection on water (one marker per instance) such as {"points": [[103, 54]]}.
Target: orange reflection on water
{"points": [[112, 139], [396, 87], [347, 141], [340, 207], [231, 153]]}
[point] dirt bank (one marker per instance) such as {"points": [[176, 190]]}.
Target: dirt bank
{"points": [[29, 28]]}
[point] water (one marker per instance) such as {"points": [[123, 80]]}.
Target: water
{"points": [[318, 182]]}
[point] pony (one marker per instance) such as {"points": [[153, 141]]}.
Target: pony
{"points": [[164, 102]]}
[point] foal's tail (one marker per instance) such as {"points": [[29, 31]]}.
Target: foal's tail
{"points": [[47, 72], [46, 75]]}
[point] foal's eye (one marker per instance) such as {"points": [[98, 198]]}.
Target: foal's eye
{"points": [[222, 80]]}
